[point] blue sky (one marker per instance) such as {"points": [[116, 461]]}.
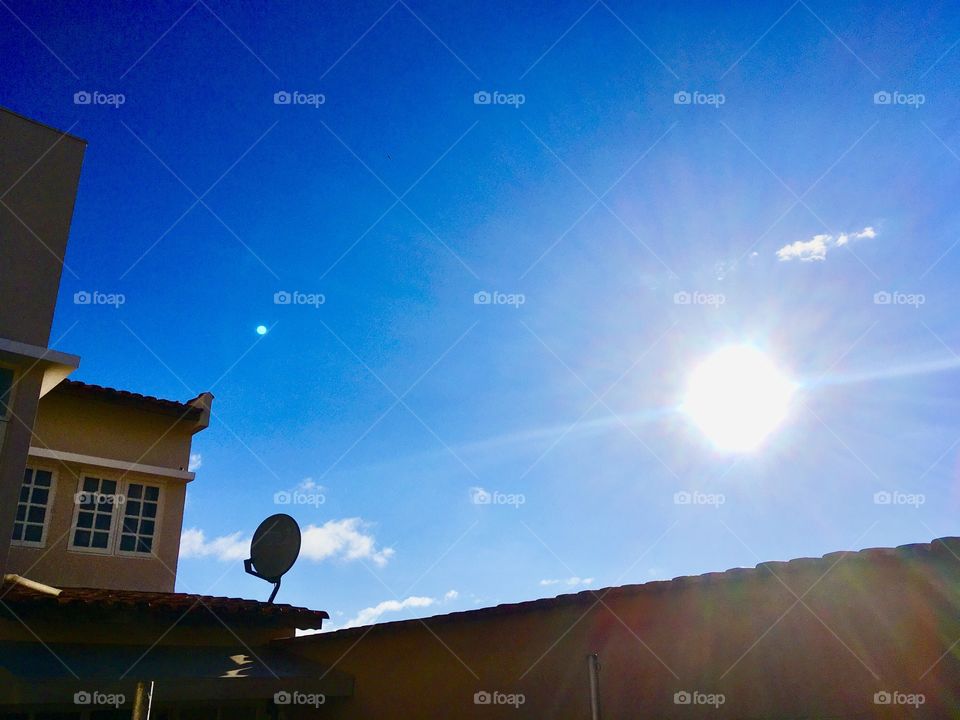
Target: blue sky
{"points": [[586, 196]]}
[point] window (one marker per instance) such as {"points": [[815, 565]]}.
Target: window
{"points": [[93, 522], [33, 507], [115, 518], [139, 518]]}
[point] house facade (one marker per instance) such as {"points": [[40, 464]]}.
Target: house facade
{"points": [[104, 485]]}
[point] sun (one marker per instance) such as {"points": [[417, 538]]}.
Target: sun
{"points": [[737, 397]]}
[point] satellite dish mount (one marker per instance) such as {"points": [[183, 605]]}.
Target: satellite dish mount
{"points": [[273, 550]]}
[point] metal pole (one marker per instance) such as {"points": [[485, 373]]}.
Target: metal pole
{"points": [[140, 702], [150, 700], [593, 668]]}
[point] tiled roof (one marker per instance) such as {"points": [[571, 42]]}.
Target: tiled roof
{"points": [[162, 605], [945, 548], [75, 387]]}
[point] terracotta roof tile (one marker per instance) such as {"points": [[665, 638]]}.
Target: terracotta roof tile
{"points": [[163, 604], [942, 548], [75, 387]]}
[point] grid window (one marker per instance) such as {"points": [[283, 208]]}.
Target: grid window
{"points": [[36, 494], [95, 503], [139, 518]]}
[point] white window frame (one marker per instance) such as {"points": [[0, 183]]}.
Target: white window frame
{"points": [[108, 550], [51, 498], [121, 513], [116, 515]]}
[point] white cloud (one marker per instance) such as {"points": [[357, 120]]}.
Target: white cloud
{"points": [[196, 460], [370, 615], [336, 539], [308, 483], [451, 595], [194, 544], [816, 248], [569, 582], [344, 539]]}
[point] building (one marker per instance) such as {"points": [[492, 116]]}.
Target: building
{"points": [[92, 488], [39, 173], [105, 483], [869, 634]]}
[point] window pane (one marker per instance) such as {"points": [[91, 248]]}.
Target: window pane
{"points": [[139, 519], [85, 519], [90, 484], [81, 538], [109, 487], [100, 539], [32, 506]]}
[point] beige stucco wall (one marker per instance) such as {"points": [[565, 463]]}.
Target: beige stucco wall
{"points": [[39, 173], [13, 451], [81, 424]]}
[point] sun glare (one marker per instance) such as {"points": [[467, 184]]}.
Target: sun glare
{"points": [[737, 397]]}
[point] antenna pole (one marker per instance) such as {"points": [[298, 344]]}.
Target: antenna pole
{"points": [[276, 589]]}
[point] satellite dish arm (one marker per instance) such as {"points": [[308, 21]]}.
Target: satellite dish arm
{"points": [[248, 567]]}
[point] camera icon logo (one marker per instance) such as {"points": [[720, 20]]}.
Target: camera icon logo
{"points": [[282, 697], [682, 98], [282, 97], [682, 498], [681, 298], [882, 98], [282, 298], [882, 498], [682, 697], [882, 298], [82, 698], [82, 97], [482, 298], [482, 697], [479, 496], [482, 98], [282, 498], [882, 697], [81, 297]]}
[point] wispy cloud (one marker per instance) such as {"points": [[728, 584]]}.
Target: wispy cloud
{"points": [[196, 460], [347, 539], [816, 248], [569, 582], [451, 595]]}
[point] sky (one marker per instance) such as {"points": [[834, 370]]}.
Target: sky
{"points": [[485, 246]]}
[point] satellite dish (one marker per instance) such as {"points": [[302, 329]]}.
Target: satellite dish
{"points": [[273, 550]]}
